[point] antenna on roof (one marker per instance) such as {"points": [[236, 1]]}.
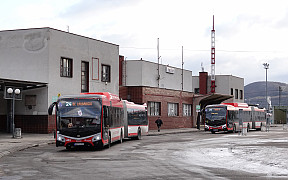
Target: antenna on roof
{"points": [[202, 67], [213, 59]]}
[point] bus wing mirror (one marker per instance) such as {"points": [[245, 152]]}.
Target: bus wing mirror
{"points": [[50, 109]]}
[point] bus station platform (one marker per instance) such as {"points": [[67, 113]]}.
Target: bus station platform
{"points": [[8, 144]]}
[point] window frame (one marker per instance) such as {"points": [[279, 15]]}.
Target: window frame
{"points": [[236, 94], [105, 79], [86, 84], [241, 94], [172, 109], [187, 110], [156, 108], [66, 71]]}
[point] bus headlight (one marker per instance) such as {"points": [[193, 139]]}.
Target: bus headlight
{"points": [[60, 138], [224, 126], [97, 137]]}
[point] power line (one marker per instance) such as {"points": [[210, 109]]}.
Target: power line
{"points": [[204, 50]]}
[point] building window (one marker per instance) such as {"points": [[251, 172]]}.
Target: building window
{"points": [[105, 73], [187, 109], [154, 108], [66, 67], [231, 92], [241, 94], [84, 76], [172, 109], [236, 93], [196, 90]]}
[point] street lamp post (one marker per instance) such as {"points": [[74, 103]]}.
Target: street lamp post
{"points": [[12, 92], [266, 66]]}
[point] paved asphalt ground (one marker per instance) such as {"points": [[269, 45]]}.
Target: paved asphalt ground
{"points": [[8, 144]]}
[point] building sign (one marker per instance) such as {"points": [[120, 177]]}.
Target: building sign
{"points": [[170, 70], [54, 98], [198, 108]]}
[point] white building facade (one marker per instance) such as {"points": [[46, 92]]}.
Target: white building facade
{"points": [[145, 73], [225, 84], [45, 63]]}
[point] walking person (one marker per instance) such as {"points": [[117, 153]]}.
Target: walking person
{"points": [[159, 123]]}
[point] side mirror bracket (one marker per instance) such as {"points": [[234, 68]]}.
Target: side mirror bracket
{"points": [[50, 109]]}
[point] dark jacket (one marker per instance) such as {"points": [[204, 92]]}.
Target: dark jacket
{"points": [[159, 122]]}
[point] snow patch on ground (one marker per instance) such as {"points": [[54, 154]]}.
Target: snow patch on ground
{"points": [[252, 156]]}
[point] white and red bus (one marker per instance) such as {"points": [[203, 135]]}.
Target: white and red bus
{"points": [[233, 117], [97, 119]]}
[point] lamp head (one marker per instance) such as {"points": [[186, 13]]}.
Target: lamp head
{"points": [[17, 91], [9, 90]]}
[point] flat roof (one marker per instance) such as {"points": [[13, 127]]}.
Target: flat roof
{"points": [[25, 85], [59, 31]]}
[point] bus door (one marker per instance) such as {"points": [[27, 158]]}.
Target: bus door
{"points": [[105, 122], [253, 117], [125, 119], [230, 119]]}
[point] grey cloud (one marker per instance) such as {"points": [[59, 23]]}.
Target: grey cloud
{"points": [[95, 6]]}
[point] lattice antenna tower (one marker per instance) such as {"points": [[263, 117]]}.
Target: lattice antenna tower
{"points": [[213, 85]]}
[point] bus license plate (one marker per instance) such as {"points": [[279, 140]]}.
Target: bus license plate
{"points": [[78, 144]]}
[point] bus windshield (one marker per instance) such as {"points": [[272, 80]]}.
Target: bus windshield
{"points": [[215, 113], [75, 113]]}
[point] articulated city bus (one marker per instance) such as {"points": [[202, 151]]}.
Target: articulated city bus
{"points": [[97, 120], [233, 117]]}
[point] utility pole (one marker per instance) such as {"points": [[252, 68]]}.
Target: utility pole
{"points": [[158, 57], [280, 89], [182, 70]]}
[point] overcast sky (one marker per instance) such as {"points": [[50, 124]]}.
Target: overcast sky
{"points": [[248, 33]]}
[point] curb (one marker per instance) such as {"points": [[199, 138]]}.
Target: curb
{"points": [[21, 148], [174, 132]]}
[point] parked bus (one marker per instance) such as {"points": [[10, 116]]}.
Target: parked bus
{"points": [[233, 117], [97, 120]]}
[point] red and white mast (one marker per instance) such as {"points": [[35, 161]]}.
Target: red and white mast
{"points": [[213, 59]]}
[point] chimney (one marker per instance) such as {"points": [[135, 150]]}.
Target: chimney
{"points": [[203, 77]]}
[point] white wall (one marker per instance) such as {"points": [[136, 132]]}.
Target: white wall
{"points": [[24, 55], [195, 82], [144, 73], [33, 55], [80, 49], [224, 83], [41, 102]]}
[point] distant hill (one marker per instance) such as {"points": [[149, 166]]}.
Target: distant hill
{"points": [[255, 93]]}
